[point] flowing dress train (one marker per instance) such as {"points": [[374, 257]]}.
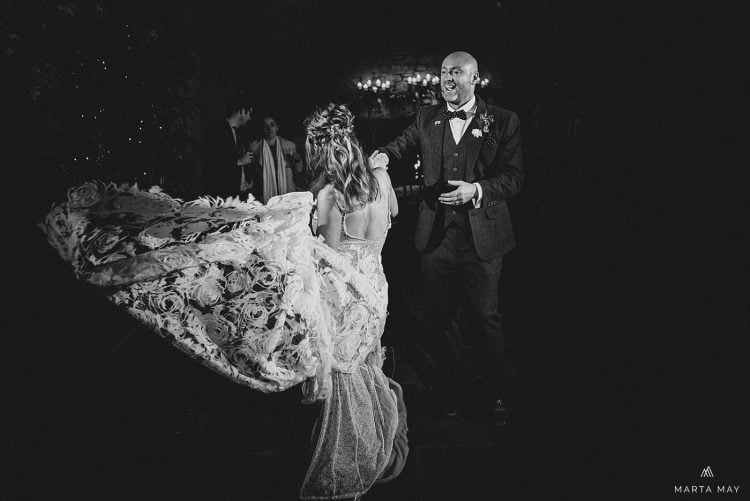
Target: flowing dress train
{"points": [[248, 291]]}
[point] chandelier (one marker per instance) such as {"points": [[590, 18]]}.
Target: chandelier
{"points": [[412, 83], [389, 94]]}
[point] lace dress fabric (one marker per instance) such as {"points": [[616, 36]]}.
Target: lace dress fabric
{"points": [[359, 419], [248, 291]]}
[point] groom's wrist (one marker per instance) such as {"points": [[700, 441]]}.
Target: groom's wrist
{"points": [[477, 198], [477, 192]]}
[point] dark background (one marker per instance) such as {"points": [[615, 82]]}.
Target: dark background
{"points": [[624, 302]]}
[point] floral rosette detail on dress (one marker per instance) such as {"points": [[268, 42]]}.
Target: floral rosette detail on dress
{"points": [[87, 194], [244, 288]]}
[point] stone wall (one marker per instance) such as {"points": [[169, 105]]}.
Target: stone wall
{"points": [[395, 68], [400, 99]]}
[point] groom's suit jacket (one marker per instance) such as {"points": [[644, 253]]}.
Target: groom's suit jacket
{"points": [[491, 158]]}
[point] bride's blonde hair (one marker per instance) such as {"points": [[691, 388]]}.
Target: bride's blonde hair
{"points": [[335, 157]]}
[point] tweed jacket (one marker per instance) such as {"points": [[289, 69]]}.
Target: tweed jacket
{"points": [[493, 159]]}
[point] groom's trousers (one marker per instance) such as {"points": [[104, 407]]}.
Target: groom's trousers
{"points": [[454, 276]]}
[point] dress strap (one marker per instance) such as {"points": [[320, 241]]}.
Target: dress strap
{"points": [[343, 227]]}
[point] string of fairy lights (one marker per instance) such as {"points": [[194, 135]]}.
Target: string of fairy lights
{"points": [[109, 97]]}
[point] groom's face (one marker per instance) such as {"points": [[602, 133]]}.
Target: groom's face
{"points": [[457, 79]]}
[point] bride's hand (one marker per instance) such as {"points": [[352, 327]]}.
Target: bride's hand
{"points": [[378, 159]]}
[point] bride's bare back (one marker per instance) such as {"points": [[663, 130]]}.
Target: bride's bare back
{"points": [[368, 223]]}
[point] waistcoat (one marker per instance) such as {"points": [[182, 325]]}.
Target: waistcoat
{"points": [[454, 169]]}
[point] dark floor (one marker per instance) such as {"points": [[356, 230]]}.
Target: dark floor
{"points": [[620, 313]]}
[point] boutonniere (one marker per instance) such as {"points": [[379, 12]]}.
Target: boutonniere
{"points": [[438, 122], [476, 132], [486, 120]]}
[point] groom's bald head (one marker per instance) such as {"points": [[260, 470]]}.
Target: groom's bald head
{"points": [[463, 59], [458, 76]]}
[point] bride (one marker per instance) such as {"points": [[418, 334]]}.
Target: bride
{"points": [[249, 291], [354, 209]]}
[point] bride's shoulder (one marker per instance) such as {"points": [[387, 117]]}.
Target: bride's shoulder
{"points": [[326, 203], [326, 191], [326, 197]]}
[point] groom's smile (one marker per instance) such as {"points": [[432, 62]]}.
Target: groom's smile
{"points": [[458, 76]]}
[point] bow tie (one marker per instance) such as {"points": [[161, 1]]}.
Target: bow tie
{"points": [[454, 114]]}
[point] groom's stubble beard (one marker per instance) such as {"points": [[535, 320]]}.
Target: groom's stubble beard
{"points": [[459, 96]]}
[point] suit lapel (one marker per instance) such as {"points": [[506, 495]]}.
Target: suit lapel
{"points": [[230, 137], [433, 127], [474, 143]]}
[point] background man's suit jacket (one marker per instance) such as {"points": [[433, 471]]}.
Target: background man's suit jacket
{"points": [[221, 174]]}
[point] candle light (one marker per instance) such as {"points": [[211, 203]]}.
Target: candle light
{"points": [[359, 85], [378, 82]]}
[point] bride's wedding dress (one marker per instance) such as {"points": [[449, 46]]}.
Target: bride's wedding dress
{"points": [[248, 291]]}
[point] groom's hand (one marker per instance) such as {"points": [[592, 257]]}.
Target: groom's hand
{"points": [[463, 193], [378, 159]]}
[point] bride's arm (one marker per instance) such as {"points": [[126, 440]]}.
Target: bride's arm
{"points": [[392, 200], [329, 217], [384, 179]]}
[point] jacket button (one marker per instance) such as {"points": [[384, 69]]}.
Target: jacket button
{"points": [[455, 169], [453, 211], [455, 154]]}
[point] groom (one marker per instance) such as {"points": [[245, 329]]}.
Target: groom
{"points": [[471, 156]]}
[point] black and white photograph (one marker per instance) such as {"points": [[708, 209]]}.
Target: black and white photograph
{"points": [[385, 250]]}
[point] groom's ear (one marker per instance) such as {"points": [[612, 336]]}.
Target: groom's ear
{"points": [[476, 78]]}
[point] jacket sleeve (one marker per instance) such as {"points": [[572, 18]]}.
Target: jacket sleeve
{"points": [[407, 141], [504, 177]]}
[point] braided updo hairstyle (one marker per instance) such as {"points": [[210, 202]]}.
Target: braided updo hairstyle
{"points": [[335, 157]]}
